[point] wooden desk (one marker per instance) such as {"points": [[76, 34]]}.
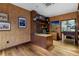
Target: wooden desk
{"points": [[54, 35], [43, 40]]}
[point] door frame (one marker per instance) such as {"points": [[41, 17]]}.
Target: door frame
{"points": [[76, 30]]}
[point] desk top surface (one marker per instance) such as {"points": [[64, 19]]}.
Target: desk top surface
{"points": [[44, 35]]}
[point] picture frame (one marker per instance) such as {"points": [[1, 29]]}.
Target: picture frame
{"points": [[4, 26], [3, 16], [22, 22], [54, 26]]}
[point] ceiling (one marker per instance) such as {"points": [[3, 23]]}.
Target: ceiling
{"points": [[51, 9]]}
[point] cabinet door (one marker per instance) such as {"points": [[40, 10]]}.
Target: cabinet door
{"points": [[49, 41], [54, 35]]}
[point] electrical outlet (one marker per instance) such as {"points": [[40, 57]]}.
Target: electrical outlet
{"points": [[7, 42]]}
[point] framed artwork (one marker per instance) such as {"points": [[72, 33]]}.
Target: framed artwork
{"points": [[3, 17], [4, 26], [22, 22], [54, 26]]}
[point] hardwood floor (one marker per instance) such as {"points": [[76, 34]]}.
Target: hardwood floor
{"points": [[59, 49], [64, 49], [25, 50]]}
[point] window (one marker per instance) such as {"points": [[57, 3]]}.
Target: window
{"points": [[68, 26]]}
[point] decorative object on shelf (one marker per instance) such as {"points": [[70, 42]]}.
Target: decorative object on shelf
{"points": [[35, 18], [38, 17], [22, 22], [4, 26], [3, 17]]}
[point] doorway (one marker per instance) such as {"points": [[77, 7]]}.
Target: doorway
{"points": [[68, 31]]}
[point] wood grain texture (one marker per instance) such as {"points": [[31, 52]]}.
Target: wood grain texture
{"points": [[25, 50], [66, 16], [64, 49], [33, 25], [54, 35], [59, 49], [43, 41], [16, 35]]}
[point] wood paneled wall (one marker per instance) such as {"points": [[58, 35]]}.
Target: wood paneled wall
{"points": [[64, 16], [72, 15], [15, 36], [33, 25]]}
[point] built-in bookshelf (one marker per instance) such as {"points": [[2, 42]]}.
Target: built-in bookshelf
{"points": [[42, 24]]}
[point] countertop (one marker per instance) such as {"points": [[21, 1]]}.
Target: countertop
{"points": [[44, 35]]}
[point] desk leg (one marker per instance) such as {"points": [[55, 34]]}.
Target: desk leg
{"points": [[63, 38]]}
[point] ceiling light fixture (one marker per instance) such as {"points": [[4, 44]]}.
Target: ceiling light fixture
{"points": [[48, 4]]}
